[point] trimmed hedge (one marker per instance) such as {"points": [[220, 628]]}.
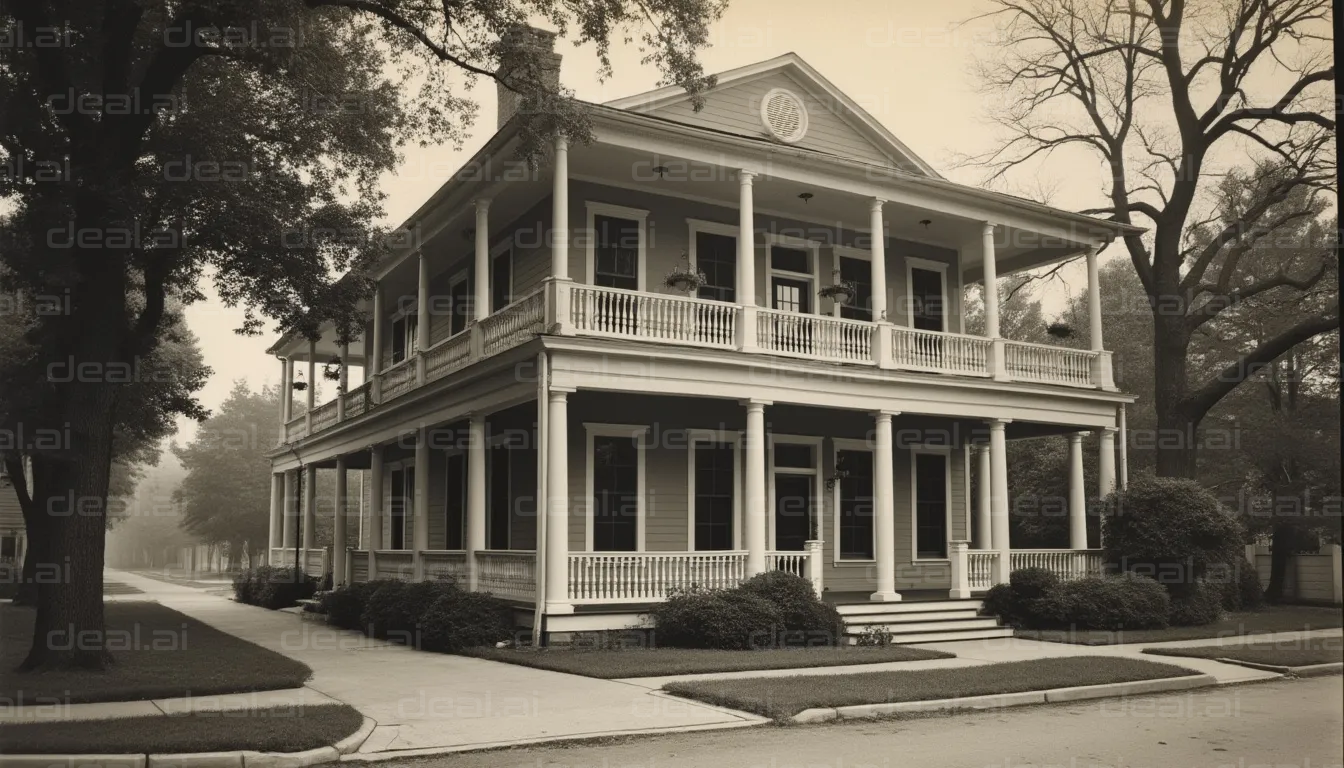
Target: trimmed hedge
{"points": [[769, 610], [428, 615], [273, 586], [1037, 599]]}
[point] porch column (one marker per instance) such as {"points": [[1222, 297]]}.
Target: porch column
{"points": [[984, 531], [1106, 465], [309, 507], [557, 502], [753, 523], [879, 254], [421, 318], [343, 383], [277, 530], [286, 380], [375, 529], [286, 513], [997, 365], [481, 301], [376, 343], [312, 385], [1102, 375], [338, 523], [558, 298], [746, 263], [1077, 496], [475, 534], [420, 523], [998, 498], [1123, 477], [884, 520]]}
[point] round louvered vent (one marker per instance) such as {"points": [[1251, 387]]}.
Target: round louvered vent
{"points": [[784, 115]]}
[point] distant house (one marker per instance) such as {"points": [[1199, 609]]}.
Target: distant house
{"points": [[708, 344], [13, 532]]}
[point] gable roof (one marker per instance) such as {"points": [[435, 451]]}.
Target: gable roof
{"points": [[809, 79]]}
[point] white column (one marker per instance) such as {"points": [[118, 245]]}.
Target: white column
{"points": [[288, 516], [560, 212], [1123, 448], [991, 280], [312, 382], [420, 523], [287, 395], [338, 525], [277, 531], [1077, 495], [1093, 301], [375, 529], [475, 533], [746, 262], [376, 343], [879, 254], [753, 525], [309, 507], [1106, 465], [421, 318], [884, 512], [557, 503], [285, 389], [481, 304], [984, 531], [998, 498], [343, 383]]}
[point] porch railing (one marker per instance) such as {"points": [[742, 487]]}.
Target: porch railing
{"points": [[1048, 364], [980, 568], [394, 564], [597, 311], [815, 336], [444, 563], [514, 324], [447, 356], [324, 415], [357, 561], [1067, 564], [315, 560], [940, 352], [357, 400], [507, 573], [397, 380], [610, 577]]}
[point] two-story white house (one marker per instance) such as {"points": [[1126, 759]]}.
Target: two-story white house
{"points": [[544, 417]]}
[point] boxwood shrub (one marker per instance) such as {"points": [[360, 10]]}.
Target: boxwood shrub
{"points": [[768, 610], [430, 615], [1037, 599], [273, 586]]}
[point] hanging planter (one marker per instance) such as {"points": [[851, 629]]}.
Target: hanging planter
{"points": [[839, 291], [299, 386], [1059, 329], [684, 277], [331, 371]]}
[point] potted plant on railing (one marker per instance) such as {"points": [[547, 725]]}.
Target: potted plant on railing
{"points": [[685, 277], [839, 291]]}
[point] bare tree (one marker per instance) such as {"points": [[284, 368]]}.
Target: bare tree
{"points": [[1170, 95]]}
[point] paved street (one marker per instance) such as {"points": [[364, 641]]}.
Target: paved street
{"points": [[1285, 723]]}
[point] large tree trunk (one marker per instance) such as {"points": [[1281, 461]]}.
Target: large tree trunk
{"points": [[1176, 443], [1283, 543]]}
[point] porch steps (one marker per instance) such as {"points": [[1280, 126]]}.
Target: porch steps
{"points": [[922, 621]]}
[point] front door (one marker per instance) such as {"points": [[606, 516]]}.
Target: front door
{"points": [[926, 300], [793, 511]]}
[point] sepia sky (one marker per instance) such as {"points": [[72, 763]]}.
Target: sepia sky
{"points": [[908, 63]]}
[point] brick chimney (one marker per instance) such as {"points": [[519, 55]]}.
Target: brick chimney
{"points": [[527, 58]]}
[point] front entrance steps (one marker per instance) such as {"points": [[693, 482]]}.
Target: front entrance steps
{"points": [[921, 621]]}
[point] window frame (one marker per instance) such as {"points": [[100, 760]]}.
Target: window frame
{"points": [[911, 264], [694, 436], [839, 252], [461, 276], [813, 248], [504, 246], [839, 444], [817, 444], [696, 226], [638, 215], [448, 455], [946, 452], [407, 469], [639, 433], [411, 317]]}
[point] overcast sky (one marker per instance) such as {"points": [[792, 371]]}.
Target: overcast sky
{"points": [[907, 63]]}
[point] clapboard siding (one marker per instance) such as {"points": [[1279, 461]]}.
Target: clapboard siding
{"points": [[737, 109]]}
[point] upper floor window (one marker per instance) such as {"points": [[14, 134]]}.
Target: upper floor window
{"points": [[403, 337], [501, 279], [716, 257], [926, 281], [859, 271], [459, 302], [616, 246]]}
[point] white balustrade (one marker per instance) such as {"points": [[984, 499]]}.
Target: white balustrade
{"points": [[444, 564], [1048, 364], [507, 574], [447, 356], [817, 337], [514, 324], [940, 352], [399, 379], [394, 564], [324, 416], [296, 428], [596, 311], [357, 400], [610, 577], [357, 560], [980, 568], [1067, 564], [792, 562]]}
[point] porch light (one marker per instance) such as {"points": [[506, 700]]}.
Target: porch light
{"points": [[805, 196], [926, 222], [660, 170]]}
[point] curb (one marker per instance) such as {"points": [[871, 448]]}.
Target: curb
{"points": [[239, 758], [1309, 670], [998, 701]]}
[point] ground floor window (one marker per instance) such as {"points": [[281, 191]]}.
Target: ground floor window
{"points": [[615, 499], [930, 480], [455, 501], [497, 523], [715, 490], [401, 506], [856, 504]]}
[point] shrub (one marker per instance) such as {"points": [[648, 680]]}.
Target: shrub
{"points": [[725, 619], [803, 616], [459, 619], [1025, 600], [344, 607], [1244, 592], [1197, 604], [382, 610], [1114, 603], [998, 601], [273, 587], [1171, 529]]}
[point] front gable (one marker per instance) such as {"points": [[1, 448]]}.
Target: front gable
{"points": [[829, 122]]}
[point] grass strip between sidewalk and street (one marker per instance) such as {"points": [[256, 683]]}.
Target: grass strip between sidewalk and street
{"points": [[157, 653], [783, 697], [656, 662], [274, 729], [1283, 618], [1301, 652]]}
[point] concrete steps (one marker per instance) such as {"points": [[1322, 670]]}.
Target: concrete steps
{"points": [[922, 621]]}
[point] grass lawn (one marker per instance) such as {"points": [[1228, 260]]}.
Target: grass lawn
{"points": [[784, 697], [157, 653], [1282, 653], [1283, 618], [279, 729], [656, 662]]}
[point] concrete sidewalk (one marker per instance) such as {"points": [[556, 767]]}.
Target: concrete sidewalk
{"points": [[432, 702], [290, 698]]}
